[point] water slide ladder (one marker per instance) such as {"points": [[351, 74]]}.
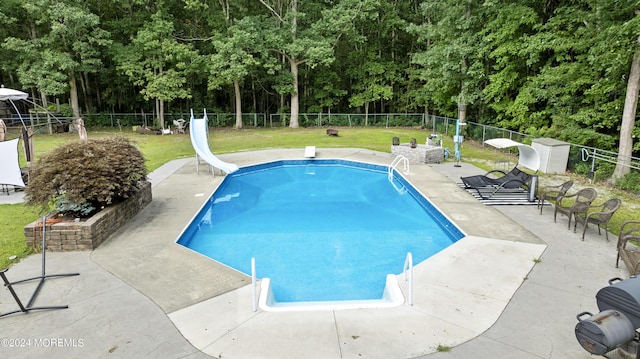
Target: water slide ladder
{"points": [[400, 159]]}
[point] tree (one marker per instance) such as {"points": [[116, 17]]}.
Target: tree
{"points": [[505, 39], [625, 149], [307, 36], [371, 83], [234, 57], [210, 26], [326, 90], [451, 62], [375, 65], [296, 45], [62, 41], [9, 14], [615, 53], [157, 63]]}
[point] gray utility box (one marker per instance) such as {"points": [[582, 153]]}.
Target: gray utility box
{"points": [[554, 154]]}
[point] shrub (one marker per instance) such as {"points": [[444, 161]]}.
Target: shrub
{"points": [[630, 182], [604, 171], [582, 168], [82, 178]]}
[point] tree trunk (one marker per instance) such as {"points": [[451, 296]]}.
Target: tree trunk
{"points": [[157, 111], [236, 90], [366, 114], [295, 106], [43, 98], [161, 113], [426, 117], [294, 96], [628, 118], [73, 96], [253, 96]]}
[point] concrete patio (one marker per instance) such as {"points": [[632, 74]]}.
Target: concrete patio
{"points": [[511, 288]]}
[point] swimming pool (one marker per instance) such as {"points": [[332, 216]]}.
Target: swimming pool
{"points": [[321, 231]]}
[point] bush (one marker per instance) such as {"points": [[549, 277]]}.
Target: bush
{"points": [[630, 182], [582, 168], [82, 178], [604, 171]]}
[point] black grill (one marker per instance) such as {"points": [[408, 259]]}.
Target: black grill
{"points": [[623, 296], [603, 332], [618, 320]]}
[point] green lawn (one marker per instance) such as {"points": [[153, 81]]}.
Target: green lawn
{"points": [[161, 149]]}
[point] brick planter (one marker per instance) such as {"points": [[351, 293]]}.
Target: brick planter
{"points": [[89, 233]]}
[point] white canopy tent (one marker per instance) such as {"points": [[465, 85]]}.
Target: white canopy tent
{"points": [[529, 157], [11, 95]]}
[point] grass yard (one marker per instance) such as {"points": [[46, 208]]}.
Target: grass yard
{"points": [[158, 150], [13, 218]]}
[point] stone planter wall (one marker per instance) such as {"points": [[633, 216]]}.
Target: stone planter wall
{"points": [[89, 233], [419, 154]]}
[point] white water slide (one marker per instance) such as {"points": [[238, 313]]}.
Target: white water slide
{"points": [[199, 130]]}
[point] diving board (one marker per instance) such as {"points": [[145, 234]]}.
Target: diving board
{"points": [[310, 151], [198, 130]]}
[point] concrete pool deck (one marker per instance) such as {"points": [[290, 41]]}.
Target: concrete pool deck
{"points": [[142, 295]]}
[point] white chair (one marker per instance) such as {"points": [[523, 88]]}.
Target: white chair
{"points": [[180, 125]]}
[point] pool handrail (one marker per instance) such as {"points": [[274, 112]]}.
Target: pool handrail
{"points": [[396, 161], [254, 300], [408, 267]]}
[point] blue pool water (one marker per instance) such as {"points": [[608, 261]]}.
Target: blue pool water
{"points": [[321, 230]]}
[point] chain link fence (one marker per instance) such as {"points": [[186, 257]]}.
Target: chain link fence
{"points": [[591, 162]]}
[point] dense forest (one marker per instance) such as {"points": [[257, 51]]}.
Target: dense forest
{"points": [[552, 68]]}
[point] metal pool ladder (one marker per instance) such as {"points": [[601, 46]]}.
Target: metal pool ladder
{"points": [[396, 161]]}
